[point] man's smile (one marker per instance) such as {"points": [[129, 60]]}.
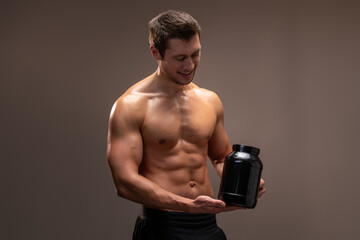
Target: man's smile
{"points": [[186, 74]]}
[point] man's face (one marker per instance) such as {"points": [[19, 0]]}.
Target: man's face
{"points": [[181, 59]]}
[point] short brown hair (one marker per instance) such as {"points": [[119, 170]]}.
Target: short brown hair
{"points": [[171, 24]]}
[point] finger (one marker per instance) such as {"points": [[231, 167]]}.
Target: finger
{"points": [[215, 202], [262, 183], [210, 202], [220, 203], [232, 208], [261, 192]]}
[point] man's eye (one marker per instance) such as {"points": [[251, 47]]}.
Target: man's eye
{"points": [[196, 54]]}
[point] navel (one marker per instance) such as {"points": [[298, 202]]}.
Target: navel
{"points": [[192, 184], [162, 141]]}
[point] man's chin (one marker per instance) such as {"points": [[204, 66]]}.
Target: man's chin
{"points": [[182, 82], [185, 80]]}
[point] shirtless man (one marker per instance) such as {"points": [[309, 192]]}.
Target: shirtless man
{"points": [[161, 132]]}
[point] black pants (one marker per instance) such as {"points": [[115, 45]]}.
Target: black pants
{"points": [[165, 225]]}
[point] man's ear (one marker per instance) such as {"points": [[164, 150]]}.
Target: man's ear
{"points": [[155, 53]]}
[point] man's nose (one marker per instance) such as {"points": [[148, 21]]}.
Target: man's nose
{"points": [[189, 64]]}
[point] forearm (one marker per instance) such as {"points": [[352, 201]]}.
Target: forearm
{"points": [[219, 165], [139, 189]]}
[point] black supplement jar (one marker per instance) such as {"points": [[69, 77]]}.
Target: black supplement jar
{"points": [[241, 177]]}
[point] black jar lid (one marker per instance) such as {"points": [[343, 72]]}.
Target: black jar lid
{"points": [[244, 148]]}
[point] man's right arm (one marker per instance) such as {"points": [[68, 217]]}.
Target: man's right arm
{"points": [[124, 155]]}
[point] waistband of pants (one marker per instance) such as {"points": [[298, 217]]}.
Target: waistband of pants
{"points": [[178, 218]]}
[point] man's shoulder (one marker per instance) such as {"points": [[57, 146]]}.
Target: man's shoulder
{"points": [[130, 106], [207, 94], [133, 96], [131, 99], [211, 98]]}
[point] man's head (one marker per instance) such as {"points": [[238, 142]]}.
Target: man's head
{"points": [[169, 25]]}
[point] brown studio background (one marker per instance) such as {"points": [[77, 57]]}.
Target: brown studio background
{"points": [[286, 71]]}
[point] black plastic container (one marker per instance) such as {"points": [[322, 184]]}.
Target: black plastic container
{"points": [[241, 177]]}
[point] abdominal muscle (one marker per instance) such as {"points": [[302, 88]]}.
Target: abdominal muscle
{"points": [[179, 172]]}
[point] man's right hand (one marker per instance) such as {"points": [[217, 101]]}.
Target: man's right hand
{"points": [[206, 204]]}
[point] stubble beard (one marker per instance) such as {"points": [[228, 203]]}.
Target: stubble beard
{"points": [[179, 80]]}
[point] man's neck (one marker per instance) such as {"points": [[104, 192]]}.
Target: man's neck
{"points": [[167, 86]]}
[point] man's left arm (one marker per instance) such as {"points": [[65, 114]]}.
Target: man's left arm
{"points": [[219, 145]]}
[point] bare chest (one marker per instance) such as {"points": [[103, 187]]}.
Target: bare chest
{"points": [[167, 122]]}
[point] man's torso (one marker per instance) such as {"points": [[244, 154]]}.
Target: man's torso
{"points": [[175, 132]]}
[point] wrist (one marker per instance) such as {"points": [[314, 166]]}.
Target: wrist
{"points": [[187, 205]]}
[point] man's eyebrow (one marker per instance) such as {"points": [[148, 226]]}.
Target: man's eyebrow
{"points": [[181, 55], [184, 55]]}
